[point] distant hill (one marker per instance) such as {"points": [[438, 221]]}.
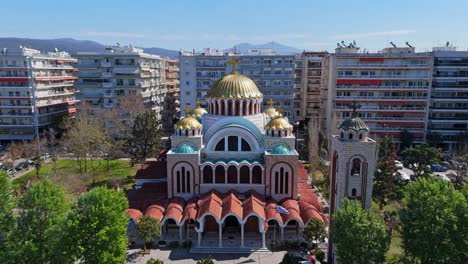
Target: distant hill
{"points": [[72, 45], [277, 47]]}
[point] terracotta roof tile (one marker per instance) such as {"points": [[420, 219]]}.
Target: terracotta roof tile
{"points": [[231, 204], [210, 203], [175, 209], [253, 205], [191, 209], [270, 211], [293, 209], [308, 211], [156, 211], [135, 214]]}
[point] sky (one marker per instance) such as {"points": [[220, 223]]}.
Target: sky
{"points": [[183, 24]]}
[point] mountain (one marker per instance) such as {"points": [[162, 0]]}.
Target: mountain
{"points": [[277, 47], [71, 45]]}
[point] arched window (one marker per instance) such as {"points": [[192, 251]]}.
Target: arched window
{"points": [[350, 136], [232, 174], [360, 136], [229, 112], [220, 145], [353, 192], [356, 167], [244, 175], [233, 143], [207, 174], [257, 175], [245, 146], [182, 178], [342, 135], [281, 175], [219, 174]]}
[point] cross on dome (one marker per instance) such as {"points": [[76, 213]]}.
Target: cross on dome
{"points": [[271, 102], [199, 102], [188, 111], [234, 61], [354, 105], [280, 110]]}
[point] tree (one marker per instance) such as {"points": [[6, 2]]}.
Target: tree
{"points": [[42, 210], [406, 139], [15, 151], [208, 260], [97, 226], [384, 185], [315, 232], [148, 228], [434, 223], [7, 203], [53, 146], [420, 157], [145, 139], [86, 140], [461, 164], [154, 261], [359, 235]]}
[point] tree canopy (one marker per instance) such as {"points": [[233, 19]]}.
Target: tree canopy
{"points": [[97, 226], [7, 203], [360, 236], [385, 188], [145, 139], [420, 157], [434, 223], [315, 231], [148, 228]]}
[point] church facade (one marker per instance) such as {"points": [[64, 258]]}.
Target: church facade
{"points": [[232, 174]]}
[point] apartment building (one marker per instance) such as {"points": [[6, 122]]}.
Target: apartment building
{"points": [[171, 102], [392, 87], [274, 75], [107, 76], [36, 92], [448, 113]]}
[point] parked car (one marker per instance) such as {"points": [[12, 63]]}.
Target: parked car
{"points": [[11, 171], [442, 177], [403, 176], [438, 168], [398, 165]]}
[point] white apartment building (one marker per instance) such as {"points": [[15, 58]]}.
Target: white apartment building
{"points": [[392, 87], [273, 74], [448, 112], [36, 92], [105, 77]]}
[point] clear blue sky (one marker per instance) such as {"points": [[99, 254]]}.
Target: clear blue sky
{"points": [[304, 24]]}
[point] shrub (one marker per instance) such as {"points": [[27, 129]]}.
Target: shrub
{"points": [[208, 260], [154, 261], [290, 259], [320, 255]]}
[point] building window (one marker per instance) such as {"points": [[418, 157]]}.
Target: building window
{"points": [[187, 83], [244, 145], [233, 143], [244, 175], [356, 167], [257, 175], [220, 145], [182, 179], [220, 174], [353, 192], [207, 174], [232, 174], [187, 93], [281, 179]]}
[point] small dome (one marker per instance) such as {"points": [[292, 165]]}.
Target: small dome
{"points": [[235, 86], [355, 123], [185, 149], [278, 123], [188, 122], [281, 149], [271, 112], [199, 112]]}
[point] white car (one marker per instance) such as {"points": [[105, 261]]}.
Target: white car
{"points": [[442, 177], [398, 165], [403, 176]]}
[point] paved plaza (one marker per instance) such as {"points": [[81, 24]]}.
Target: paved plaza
{"points": [[183, 256]]}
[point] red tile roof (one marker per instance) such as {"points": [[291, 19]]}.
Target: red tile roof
{"points": [[134, 214], [231, 205], [190, 211], [254, 205], [156, 211], [210, 204], [152, 170], [308, 212], [175, 209], [270, 211]]}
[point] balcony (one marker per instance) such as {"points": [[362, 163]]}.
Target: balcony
{"points": [[382, 88], [106, 64], [384, 76], [381, 108], [108, 94], [106, 74], [107, 84], [382, 65], [389, 98], [109, 105]]}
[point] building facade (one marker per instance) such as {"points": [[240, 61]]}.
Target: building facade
{"points": [[233, 178], [171, 101], [119, 71], [448, 112], [36, 92], [273, 74]]}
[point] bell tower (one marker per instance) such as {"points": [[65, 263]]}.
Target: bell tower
{"points": [[352, 165]]}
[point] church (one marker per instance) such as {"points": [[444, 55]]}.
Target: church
{"points": [[232, 177]]}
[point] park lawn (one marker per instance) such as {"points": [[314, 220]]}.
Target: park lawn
{"points": [[68, 175]]}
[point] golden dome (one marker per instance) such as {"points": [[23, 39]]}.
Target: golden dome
{"points": [[271, 112], [278, 123], [234, 86], [188, 122], [199, 112]]}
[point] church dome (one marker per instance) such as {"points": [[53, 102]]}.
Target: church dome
{"points": [[234, 86], [355, 124], [188, 122], [281, 149], [278, 123], [199, 112], [271, 112], [185, 148]]}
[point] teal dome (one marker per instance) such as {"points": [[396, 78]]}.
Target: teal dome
{"points": [[281, 150], [185, 148]]}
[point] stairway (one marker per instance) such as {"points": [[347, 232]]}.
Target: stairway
{"points": [[216, 250]]}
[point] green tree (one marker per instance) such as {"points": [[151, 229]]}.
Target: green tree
{"points": [[208, 260], [7, 203], [406, 139], [385, 188], [360, 236], [461, 167], [145, 139], [42, 210], [148, 228], [315, 232], [154, 261], [97, 227], [434, 223], [420, 157]]}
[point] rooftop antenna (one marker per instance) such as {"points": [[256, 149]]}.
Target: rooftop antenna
{"points": [[393, 44], [407, 44], [339, 46]]}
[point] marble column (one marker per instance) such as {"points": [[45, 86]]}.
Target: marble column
{"points": [[282, 233], [199, 237], [220, 235], [242, 235], [263, 239], [181, 238]]}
